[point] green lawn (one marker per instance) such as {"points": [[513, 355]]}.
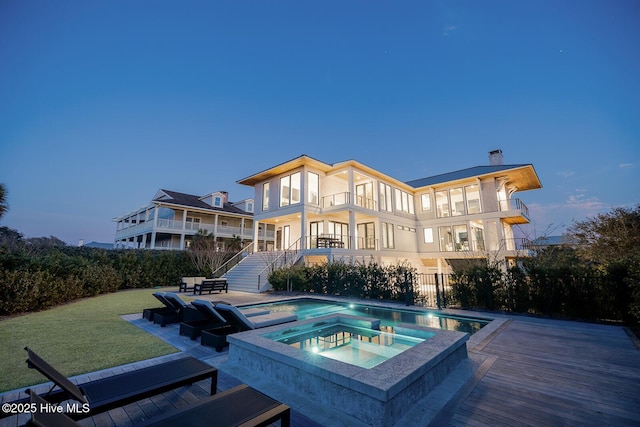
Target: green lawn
{"points": [[77, 338]]}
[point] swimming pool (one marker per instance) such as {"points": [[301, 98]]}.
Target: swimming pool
{"points": [[347, 343], [308, 308]]}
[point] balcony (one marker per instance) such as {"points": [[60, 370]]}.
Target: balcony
{"points": [[518, 208], [330, 241], [346, 198], [190, 228]]}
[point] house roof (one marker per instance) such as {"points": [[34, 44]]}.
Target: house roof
{"points": [[192, 201], [522, 176], [304, 160], [284, 167]]}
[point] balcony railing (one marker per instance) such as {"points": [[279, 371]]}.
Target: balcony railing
{"points": [[514, 204], [174, 226], [345, 198], [336, 200]]}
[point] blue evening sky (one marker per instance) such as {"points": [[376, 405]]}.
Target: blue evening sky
{"points": [[102, 103]]}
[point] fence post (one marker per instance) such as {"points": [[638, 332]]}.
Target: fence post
{"points": [[439, 303]]}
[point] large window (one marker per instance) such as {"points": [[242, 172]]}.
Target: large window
{"points": [[404, 201], [316, 229], [428, 235], [385, 198], [314, 188], [265, 196], [461, 237], [457, 202], [290, 189], [338, 230], [426, 202], [364, 195], [442, 204], [472, 193], [366, 236], [446, 239], [192, 223], [454, 238], [388, 240]]}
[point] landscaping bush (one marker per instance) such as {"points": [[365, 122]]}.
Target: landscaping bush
{"points": [[395, 283], [34, 277]]}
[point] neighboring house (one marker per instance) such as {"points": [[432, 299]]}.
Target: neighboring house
{"points": [[172, 218], [552, 241], [96, 245], [349, 211]]}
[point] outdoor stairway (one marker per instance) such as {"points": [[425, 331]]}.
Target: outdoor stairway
{"points": [[244, 276]]}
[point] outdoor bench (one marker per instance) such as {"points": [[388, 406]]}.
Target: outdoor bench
{"points": [[211, 285]]}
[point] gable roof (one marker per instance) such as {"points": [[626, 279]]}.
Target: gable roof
{"points": [[522, 176], [192, 201]]}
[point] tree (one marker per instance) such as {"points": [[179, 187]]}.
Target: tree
{"points": [[608, 238], [611, 241], [205, 253], [4, 207]]}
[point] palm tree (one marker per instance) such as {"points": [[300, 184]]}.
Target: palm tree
{"points": [[4, 207]]}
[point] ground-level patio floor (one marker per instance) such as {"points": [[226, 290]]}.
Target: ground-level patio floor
{"points": [[521, 371]]}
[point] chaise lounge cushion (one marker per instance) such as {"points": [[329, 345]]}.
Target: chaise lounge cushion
{"points": [[256, 322], [250, 312]]}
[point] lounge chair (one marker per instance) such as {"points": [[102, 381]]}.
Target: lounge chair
{"points": [[211, 319], [184, 312], [235, 317], [167, 307], [118, 390], [241, 405]]}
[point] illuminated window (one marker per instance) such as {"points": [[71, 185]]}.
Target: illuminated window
{"points": [[457, 202], [314, 188], [426, 202], [265, 196], [385, 197], [472, 193], [290, 189], [442, 204], [428, 235]]}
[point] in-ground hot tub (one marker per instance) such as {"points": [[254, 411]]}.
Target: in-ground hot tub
{"points": [[345, 364]]}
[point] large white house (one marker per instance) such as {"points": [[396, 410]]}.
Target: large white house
{"points": [[349, 211], [171, 219], [308, 211]]}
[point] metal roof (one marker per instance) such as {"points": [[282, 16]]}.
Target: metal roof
{"points": [[192, 201], [529, 181]]}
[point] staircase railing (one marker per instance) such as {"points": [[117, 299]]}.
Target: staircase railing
{"points": [[233, 261], [284, 259]]}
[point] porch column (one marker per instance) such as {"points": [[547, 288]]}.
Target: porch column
{"points": [[352, 230], [155, 226], [303, 229], [255, 235], [184, 228]]}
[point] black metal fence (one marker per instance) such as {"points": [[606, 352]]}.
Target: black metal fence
{"points": [[434, 290], [586, 296]]}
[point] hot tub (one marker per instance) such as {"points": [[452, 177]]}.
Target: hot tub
{"points": [[408, 364]]}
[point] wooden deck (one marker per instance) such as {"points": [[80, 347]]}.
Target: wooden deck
{"points": [[525, 372], [551, 373]]}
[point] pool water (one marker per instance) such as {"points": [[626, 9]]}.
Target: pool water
{"points": [[308, 308], [349, 344]]}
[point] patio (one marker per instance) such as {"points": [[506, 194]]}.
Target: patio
{"points": [[520, 371]]}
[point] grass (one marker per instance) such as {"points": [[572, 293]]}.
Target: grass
{"points": [[77, 338]]}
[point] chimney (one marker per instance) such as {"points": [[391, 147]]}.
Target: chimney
{"points": [[225, 196], [495, 158]]}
